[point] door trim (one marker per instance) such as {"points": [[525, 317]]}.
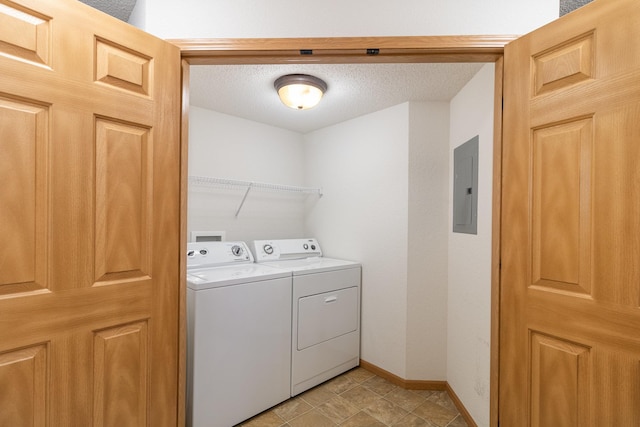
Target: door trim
{"points": [[496, 230], [344, 50], [365, 50], [184, 179]]}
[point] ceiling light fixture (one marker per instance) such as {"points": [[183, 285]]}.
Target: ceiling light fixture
{"points": [[300, 91]]}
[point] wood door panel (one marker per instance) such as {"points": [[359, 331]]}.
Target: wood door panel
{"points": [[561, 66], [24, 140], [562, 206], [120, 67], [121, 379], [570, 276], [560, 382], [24, 33], [24, 375], [124, 174]]}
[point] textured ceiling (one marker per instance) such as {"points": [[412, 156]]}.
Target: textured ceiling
{"points": [[121, 9], [353, 90], [567, 6]]}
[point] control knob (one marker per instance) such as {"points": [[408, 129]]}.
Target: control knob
{"points": [[236, 250], [268, 249]]}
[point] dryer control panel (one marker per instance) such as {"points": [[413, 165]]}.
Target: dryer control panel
{"points": [[281, 249], [212, 254]]}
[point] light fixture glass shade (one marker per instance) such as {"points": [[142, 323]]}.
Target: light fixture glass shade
{"points": [[300, 91]]}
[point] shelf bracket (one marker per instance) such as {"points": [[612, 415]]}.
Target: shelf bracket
{"points": [[246, 193]]}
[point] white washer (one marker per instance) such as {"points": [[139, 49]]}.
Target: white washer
{"points": [[325, 311], [238, 334]]}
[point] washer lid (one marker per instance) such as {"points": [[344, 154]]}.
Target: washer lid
{"points": [[215, 277], [312, 265]]}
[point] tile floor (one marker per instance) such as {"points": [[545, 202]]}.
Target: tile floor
{"points": [[359, 398]]}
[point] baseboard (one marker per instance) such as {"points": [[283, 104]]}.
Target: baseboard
{"points": [[463, 411], [421, 385], [401, 382]]}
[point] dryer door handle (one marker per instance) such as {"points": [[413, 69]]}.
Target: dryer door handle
{"points": [[332, 298]]}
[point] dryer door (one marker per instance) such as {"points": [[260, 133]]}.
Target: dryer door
{"points": [[325, 316]]}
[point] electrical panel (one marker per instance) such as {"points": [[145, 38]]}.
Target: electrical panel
{"points": [[465, 187]]}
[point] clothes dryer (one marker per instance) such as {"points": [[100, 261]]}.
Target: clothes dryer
{"points": [[325, 311], [238, 334]]}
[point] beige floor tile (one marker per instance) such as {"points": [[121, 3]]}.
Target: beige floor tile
{"points": [[292, 408], [360, 397], [358, 374], [340, 384], [265, 419], [362, 419], [458, 422], [412, 420], [338, 409], [386, 412], [442, 398], [318, 395], [436, 414], [312, 418], [423, 393], [379, 385], [355, 399], [405, 399]]}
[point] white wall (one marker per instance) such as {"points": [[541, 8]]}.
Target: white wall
{"points": [[138, 16], [338, 18], [427, 241], [385, 178], [225, 146], [361, 165], [469, 302]]}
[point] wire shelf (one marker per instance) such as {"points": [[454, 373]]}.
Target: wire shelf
{"points": [[214, 182], [208, 181]]}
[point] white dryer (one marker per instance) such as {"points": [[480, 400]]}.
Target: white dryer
{"points": [[238, 334], [325, 310]]}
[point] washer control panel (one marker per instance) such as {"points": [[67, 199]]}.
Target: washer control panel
{"points": [[275, 250], [211, 254]]}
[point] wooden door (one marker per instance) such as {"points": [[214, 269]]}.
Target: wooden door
{"points": [[570, 284], [89, 219]]}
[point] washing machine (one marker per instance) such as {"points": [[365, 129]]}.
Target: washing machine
{"points": [[238, 334], [325, 310]]}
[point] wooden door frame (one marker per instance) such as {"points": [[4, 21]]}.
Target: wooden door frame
{"points": [[351, 50]]}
